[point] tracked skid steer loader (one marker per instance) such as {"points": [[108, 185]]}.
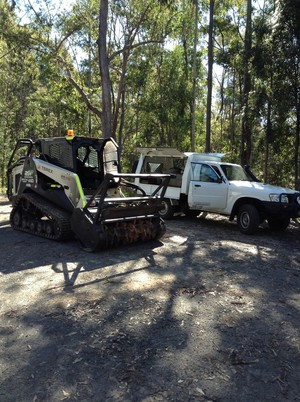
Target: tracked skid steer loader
{"points": [[66, 186]]}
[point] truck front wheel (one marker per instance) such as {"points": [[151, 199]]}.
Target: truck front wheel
{"points": [[167, 209], [248, 219]]}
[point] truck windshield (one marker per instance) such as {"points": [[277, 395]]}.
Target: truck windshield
{"points": [[235, 172]]}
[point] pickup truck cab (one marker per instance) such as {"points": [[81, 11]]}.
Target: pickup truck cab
{"points": [[204, 183]]}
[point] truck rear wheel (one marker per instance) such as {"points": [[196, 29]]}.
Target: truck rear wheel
{"points": [[279, 224], [167, 210], [248, 219]]}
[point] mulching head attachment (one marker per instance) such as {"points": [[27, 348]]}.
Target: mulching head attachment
{"points": [[121, 220]]}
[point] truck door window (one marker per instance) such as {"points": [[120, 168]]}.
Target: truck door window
{"points": [[203, 172]]}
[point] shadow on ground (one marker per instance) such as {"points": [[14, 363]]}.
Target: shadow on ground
{"points": [[205, 315]]}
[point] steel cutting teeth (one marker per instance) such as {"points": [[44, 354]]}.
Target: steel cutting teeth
{"points": [[125, 233]]}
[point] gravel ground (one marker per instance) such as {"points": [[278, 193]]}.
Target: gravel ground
{"points": [[205, 314]]}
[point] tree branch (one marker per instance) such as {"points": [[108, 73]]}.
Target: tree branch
{"points": [[80, 90], [65, 38], [129, 47]]}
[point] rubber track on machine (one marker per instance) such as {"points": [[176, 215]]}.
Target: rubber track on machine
{"points": [[54, 213]]}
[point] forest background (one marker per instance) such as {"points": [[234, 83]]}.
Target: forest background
{"points": [[198, 75]]}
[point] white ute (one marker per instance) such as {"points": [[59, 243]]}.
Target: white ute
{"points": [[203, 183]]}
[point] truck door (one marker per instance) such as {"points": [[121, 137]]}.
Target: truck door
{"points": [[206, 190]]}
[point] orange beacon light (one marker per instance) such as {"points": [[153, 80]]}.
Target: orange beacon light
{"points": [[70, 135]]}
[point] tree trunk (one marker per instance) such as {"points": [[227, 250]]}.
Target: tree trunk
{"points": [[297, 143], [194, 78], [268, 140], [104, 70], [122, 120], [232, 115], [121, 91], [209, 75], [246, 137]]}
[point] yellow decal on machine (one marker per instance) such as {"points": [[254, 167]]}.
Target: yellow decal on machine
{"points": [[79, 187]]}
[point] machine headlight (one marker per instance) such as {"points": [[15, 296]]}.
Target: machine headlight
{"points": [[279, 198]]}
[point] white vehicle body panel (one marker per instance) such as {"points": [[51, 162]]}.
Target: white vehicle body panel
{"points": [[207, 183]]}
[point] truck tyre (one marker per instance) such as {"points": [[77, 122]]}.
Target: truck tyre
{"points": [[248, 219], [279, 224], [167, 210]]}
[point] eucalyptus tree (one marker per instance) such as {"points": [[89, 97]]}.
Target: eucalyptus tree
{"points": [[264, 78], [210, 74], [276, 99], [196, 34], [243, 55], [229, 31], [118, 29], [18, 80], [106, 112], [143, 28], [286, 40], [190, 36], [167, 97], [246, 130]]}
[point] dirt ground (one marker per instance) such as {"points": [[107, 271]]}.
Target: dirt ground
{"points": [[205, 314]]}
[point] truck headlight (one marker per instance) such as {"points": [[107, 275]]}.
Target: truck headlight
{"points": [[279, 198]]}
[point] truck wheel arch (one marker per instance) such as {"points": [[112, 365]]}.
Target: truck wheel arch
{"points": [[243, 201]]}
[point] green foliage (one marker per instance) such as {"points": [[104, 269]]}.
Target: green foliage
{"points": [[50, 77]]}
